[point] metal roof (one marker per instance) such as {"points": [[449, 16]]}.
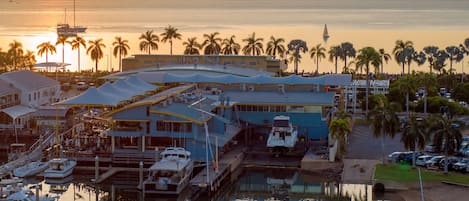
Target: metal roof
{"points": [[28, 80], [7, 88], [188, 69], [17, 111], [287, 98]]}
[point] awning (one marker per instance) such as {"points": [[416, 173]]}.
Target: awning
{"points": [[17, 111]]}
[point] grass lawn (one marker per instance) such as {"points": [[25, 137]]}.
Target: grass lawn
{"points": [[405, 173]]}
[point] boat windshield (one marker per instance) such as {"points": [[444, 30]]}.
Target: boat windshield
{"points": [[56, 166], [281, 123]]}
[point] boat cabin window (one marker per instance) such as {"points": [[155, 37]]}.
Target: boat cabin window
{"points": [[281, 123], [56, 166]]}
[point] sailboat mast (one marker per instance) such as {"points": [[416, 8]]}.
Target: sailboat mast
{"points": [[74, 13]]}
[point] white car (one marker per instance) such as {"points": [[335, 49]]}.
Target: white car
{"points": [[461, 165], [422, 159], [434, 161]]}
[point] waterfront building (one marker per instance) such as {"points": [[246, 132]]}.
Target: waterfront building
{"points": [[49, 116], [260, 63], [36, 90], [226, 105]]}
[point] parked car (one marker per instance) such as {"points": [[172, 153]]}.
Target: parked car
{"points": [[433, 161], [422, 159], [451, 162], [393, 156], [461, 165], [82, 86], [430, 148], [407, 157]]}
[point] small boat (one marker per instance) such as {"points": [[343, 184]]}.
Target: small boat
{"points": [[27, 195], [10, 180], [283, 136], [16, 151], [171, 174], [31, 169], [60, 168], [325, 34], [9, 190]]}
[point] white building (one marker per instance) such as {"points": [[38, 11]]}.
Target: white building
{"points": [[36, 90]]}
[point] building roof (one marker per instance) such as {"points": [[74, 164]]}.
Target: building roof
{"points": [[17, 111], [287, 98], [51, 111], [7, 88], [185, 69], [92, 97], [28, 80]]}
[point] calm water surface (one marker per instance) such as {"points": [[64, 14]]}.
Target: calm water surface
{"points": [[375, 23]]}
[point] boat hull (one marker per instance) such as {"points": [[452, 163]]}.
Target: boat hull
{"points": [[30, 169], [57, 174]]}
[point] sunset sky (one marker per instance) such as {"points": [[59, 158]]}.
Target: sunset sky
{"points": [[376, 23]]}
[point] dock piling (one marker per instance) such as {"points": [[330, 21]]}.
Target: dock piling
{"points": [[140, 175], [96, 168]]}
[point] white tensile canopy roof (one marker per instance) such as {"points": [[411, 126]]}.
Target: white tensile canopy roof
{"points": [[92, 97], [17, 111]]}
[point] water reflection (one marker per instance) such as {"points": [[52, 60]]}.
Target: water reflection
{"points": [[245, 184]]}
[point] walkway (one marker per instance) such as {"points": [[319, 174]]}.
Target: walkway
{"points": [[359, 171]]}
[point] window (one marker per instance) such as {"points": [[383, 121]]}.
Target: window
{"points": [[34, 95], [176, 127], [29, 97]]}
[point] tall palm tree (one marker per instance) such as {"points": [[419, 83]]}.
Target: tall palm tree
{"points": [[334, 54], [318, 52], [295, 48], [384, 123], [15, 52], [419, 58], [121, 48], [431, 52], [414, 136], [254, 45], [76, 43], [347, 51], [46, 48], [192, 46], [169, 34], [385, 57], [465, 46], [338, 129], [149, 41], [61, 40], [368, 56], [275, 47], [455, 54], [95, 50], [408, 54], [447, 136], [230, 46], [398, 52], [212, 43]]}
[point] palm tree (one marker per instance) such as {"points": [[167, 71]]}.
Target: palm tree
{"points": [[431, 52], [295, 48], [334, 54], [230, 46], [15, 52], [384, 123], [347, 51], [254, 45], [121, 48], [407, 85], [192, 46], [95, 50], [76, 43], [398, 52], [318, 52], [28, 60], [455, 54], [275, 47], [368, 56], [426, 80], [414, 136], [447, 136], [149, 41], [338, 129], [408, 55], [61, 40], [212, 43], [419, 58], [385, 57], [46, 48], [169, 34], [465, 46]]}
